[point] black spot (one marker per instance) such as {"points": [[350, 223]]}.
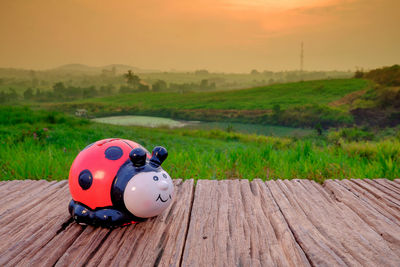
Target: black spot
{"points": [[85, 179], [164, 175], [113, 153], [155, 178]]}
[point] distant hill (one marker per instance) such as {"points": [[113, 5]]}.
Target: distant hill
{"points": [[292, 104], [85, 69]]}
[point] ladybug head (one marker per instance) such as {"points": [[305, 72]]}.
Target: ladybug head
{"points": [[149, 189]]}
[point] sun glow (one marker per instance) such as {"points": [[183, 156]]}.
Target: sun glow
{"points": [[219, 35]]}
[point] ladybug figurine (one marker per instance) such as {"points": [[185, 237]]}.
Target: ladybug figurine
{"points": [[115, 182]]}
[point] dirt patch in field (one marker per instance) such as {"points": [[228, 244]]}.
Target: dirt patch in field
{"points": [[347, 99]]}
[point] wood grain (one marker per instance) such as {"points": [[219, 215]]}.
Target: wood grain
{"points": [[158, 241], [30, 230], [215, 223], [385, 227], [237, 223], [27, 190], [329, 232], [389, 184], [382, 205]]}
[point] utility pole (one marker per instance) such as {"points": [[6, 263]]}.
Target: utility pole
{"points": [[301, 60]]}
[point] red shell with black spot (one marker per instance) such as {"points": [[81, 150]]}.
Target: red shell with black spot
{"points": [[93, 171]]}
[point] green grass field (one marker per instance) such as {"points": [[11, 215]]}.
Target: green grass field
{"points": [[246, 128], [148, 121], [301, 104], [42, 145], [286, 95]]}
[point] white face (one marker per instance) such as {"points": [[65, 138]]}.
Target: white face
{"points": [[148, 194]]}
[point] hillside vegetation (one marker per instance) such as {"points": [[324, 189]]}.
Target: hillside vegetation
{"points": [[380, 105], [42, 145], [286, 95], [291, 104], [112, 77]]}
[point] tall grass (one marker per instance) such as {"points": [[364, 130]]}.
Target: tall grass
{"points": [[36, 147]]}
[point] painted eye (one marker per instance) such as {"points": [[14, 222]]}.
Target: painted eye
{"points": [[155, 178], [164, 175]]}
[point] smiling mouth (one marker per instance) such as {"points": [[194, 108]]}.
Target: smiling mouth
{"points": [[162, 200]]}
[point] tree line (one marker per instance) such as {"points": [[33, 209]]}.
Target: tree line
{"points": [[62, 92]]}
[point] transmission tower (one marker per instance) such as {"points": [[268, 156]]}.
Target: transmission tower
{"points": [[301, 57], [301, 60]]}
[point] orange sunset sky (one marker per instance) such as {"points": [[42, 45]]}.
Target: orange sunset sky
{"points": [[219, 35]]}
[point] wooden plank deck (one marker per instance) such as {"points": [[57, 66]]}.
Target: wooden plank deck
{"points": [[212, 223]]}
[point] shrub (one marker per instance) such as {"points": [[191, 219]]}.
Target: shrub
{"points": [[350, 135], [312, 115]]}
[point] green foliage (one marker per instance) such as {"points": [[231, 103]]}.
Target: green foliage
{"points": [[9, 97], [159, 85], [388, 97], [59, 89], [359, 74], [28, 94], [286, 95], [313, 115], [17, 115], [42, 145], [132, 80], [389, 76], [294, 104], [380, 105], [350, 135]]}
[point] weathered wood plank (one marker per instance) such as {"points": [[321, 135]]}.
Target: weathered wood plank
{"points": [[84, 247], [378, 193], [389, 230], [14, 187], [393, 184], [27, 190], [378, 196], [30, 205], [232, 222], [317, 246], [55, 248], [12, 183], [30, 231], [158, 241], [385, 187], [344, 237], [372, 200], [237, 223], [361, 240]]}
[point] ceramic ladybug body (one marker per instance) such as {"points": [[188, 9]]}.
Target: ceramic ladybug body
{"points": [[115, 182]]}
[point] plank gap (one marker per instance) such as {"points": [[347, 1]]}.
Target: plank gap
{"points": [[290, 228], [188, 223], [94, 251]]}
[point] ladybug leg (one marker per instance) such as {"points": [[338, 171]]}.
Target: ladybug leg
{"points": [[105, 217], [80, 213], [111, 218]]}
